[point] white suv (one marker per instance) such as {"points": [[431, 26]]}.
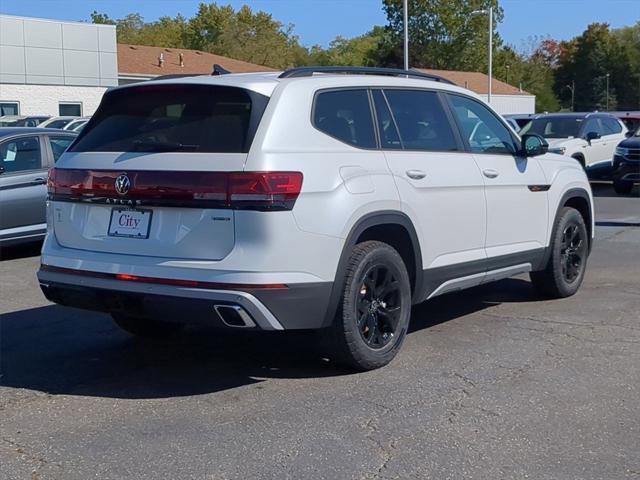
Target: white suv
{"points": [[313, 199], [590, 138]]}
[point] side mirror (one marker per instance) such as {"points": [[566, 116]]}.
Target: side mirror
{"points": [[629, 134], [592, 136], [533, 145]]}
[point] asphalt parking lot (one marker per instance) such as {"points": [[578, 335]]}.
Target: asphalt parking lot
{"points": [[492, 383]]}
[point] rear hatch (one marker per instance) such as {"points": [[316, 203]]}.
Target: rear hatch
{"points": [[151, 172]]}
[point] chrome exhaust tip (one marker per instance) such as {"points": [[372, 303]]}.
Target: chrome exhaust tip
{"points": [[234, 316]]}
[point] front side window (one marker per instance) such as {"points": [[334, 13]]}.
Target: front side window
{"points": [[21, 154], [481, 128], [593, 125], [346, 116], [611, 126], [421, 120], [59, 145], [174, 118]]}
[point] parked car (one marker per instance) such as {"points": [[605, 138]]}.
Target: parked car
{"points": [[590, 138], [630, 119], [26, 153], [512, 123], [77, 124], [301, 201], [21, 120], [520, 119], [57, 122], [626, 164]]}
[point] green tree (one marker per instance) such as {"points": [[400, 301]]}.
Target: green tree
{"points": [[357, 51], [443, 33], [587, 60]]}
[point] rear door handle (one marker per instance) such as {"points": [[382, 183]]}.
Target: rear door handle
{"points": [[38, 181], [490, 173], [416, 174]]}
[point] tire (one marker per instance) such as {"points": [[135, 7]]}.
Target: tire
{"points": [[372, 320], [564, 272], [146, 327], [623, 188]]}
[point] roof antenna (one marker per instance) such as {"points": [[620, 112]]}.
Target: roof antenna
{"points": [[218, 70]]}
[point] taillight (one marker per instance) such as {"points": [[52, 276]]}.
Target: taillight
{"points": [[237, 190], [264, 190]]}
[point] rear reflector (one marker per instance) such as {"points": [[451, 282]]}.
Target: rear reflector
{"points": [[236, 190], [166, 281]]}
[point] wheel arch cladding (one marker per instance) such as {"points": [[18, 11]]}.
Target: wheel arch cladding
{"points": [[579, 199], [391, 227]]}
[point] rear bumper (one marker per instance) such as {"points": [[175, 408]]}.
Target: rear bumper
{"points": [[299, 306]]}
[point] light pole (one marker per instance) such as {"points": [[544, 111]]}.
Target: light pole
{"points": [[488, 12], [572, 87], [508, 67], [607, 92], [405, 22]]}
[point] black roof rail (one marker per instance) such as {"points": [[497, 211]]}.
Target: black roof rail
{"points": [[395, 72]]}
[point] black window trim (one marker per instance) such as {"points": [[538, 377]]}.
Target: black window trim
{"points": [[377, 125], [465, 141], [367, 90]]}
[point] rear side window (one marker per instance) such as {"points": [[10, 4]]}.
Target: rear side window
{"points": [[59, 145], [21, 154], [346, 116], [421, 120], [174, 117]]}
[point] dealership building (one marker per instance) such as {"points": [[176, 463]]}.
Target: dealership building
{"points": [[51, 67]]}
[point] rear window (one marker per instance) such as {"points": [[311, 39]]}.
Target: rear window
{"points": [[174, 117]]}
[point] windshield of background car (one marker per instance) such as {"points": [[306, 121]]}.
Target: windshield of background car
{"points": [[554, 127], [174, 117]]}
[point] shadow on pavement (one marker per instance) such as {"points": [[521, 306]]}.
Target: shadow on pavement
{"points": [[59, 350], [30, 249], [605, 189]]}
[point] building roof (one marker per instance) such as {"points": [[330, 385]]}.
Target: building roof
{"points": [[476, 81], [143, 60]]}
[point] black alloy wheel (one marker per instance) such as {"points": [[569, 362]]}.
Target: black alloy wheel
{"points": [[378, 307]]}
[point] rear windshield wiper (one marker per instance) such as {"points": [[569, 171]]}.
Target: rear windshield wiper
{"points": [[153, 146]]}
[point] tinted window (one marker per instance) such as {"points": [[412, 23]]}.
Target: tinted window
{"points": [[611, 126], [421, 120], [554, 127], [162, 118], [481, 128], [70, 109], [57, 123], [345, 115], [20, 154], [593, 125], [389, 137], [59, 145]]}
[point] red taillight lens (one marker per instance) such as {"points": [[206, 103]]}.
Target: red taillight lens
{"points": [[238, 190], [264, 190]]}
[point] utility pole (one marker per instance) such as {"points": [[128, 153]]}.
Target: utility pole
{"points": [[507, 67], [572, 87], [405, 20]]}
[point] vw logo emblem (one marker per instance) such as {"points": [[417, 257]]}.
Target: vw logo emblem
{"points": [[123, 184]]}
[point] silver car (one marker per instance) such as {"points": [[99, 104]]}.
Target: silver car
{"points": [[26, 154]]}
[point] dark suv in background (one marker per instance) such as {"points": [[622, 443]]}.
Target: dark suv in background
{"points": [[626, 164]]}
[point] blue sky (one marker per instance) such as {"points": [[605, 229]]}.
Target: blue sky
{"points": [[319, 21]]}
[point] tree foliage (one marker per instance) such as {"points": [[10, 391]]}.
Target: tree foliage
{"points": [[444, 35]]}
